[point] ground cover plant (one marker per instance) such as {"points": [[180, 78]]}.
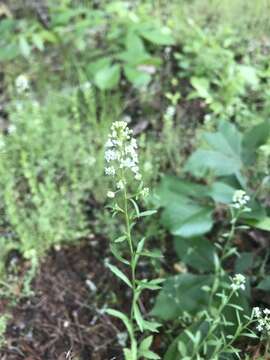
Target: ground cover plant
{"points": [[134, 173]]}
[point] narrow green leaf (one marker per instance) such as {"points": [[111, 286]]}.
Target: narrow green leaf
{"points": [[146, 343], [147, 213], [151, 355], [120, 274], [120, 239], [138, 317], [122, 317]]}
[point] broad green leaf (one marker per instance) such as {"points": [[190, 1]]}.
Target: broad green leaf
{"points": [[221, 192], [244, 262], [119, 274], [181, 293], [8, 52], [201, 85], [263, 224], [133, 60], [108, 77], [253, 139], [264, 284], [249, 75], [157, 36], [224, 155], [173, 188], [24, 46], [202, 161], [198, 253], [136, 77], [96, 66], [198, 222], [134, 43], [183, 215]]}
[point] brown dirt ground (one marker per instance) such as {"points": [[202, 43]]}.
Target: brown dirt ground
{"points": [[64, 318]]}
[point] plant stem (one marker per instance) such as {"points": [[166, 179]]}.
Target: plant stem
{"points": [[213, 326], [132, 255]]}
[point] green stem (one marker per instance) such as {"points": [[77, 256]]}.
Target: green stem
{"points": [[213, 326], [219, 272], [132, 259]]}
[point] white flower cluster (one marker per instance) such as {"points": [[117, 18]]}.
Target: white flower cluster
{"points": [[22, 83], [263, 317], [238, 282], [240, 199], [121, 152], [170, 112], [121, 157]]}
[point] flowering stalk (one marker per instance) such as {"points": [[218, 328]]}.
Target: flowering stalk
{"points": [[237, 207], [122, 158], [238, 283], [262, 317]]}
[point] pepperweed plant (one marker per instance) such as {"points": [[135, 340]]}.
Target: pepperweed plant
{"points": [[216, 335], [262, 318], [122, 165]]}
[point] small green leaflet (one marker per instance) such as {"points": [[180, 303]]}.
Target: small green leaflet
{"points": [[122, 317], [119, 274]]}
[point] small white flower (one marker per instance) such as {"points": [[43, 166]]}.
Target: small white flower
{"points": [[138, 177], [110, 171], [240, 199], [121, 152], [145, 192], [110, 155], [257, 312], [120, 185], [109, 143], [110, 194], [238, 282], [22, 83], [12, 128], [263, 318], [266, 311], [170, 111]]}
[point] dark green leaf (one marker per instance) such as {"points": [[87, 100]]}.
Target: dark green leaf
{"points": [[253, 139], [198, 253], [244, 262], [181, 293], [158, 36], [264, 284], [108, 77]]}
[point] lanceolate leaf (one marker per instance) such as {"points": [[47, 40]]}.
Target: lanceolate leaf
{"points": [[120, 274], [122, 317]]}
